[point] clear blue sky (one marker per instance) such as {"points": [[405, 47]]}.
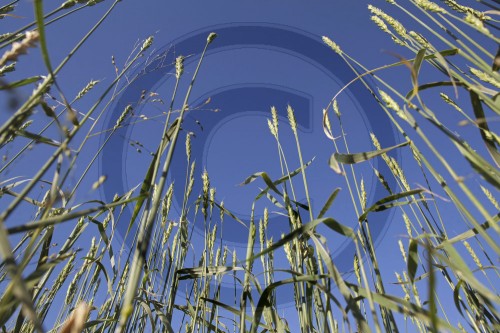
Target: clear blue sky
{"points": [[278, 60]]}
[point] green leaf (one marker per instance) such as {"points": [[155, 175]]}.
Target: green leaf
{"points": [[339, 228], [430, 85], [463, 272], [284, 179], [10, 301], [305, 228], [226, 212], [145, 188], [496, 62], [264, 177], [46, 59], [53, 220], [334, 165], [190, 311], [163, 318], [49, 112], [402, 306], [456, 296], [234, 311], [106, 240], [469, 233], [387, 202], [38, 138], [365, 156], [106, 276], [328, 203], [264, 300], [20, 83], [92, 323], [341, 284], [412, 259], [148, 311], [483, 126], [41, 31], [417, 63], [202, 271], [478, 163]]}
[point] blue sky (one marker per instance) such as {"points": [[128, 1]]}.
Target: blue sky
{"points": [[283, 63]]}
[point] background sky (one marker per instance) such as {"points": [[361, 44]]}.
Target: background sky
{"points": [[267, 53]]}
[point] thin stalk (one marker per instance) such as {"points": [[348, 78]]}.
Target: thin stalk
{"points": [[149, 216]]}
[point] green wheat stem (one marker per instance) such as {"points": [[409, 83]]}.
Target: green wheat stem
{"points": [[149, 216]]}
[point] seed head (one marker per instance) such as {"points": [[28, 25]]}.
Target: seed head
{"points": [[179, 66], [221, 212], [449, 101], [274, 114], [271, 127], [206, 182], [336, 108], [357, 269], [485, 77], [99, 182], [473, 254], [7, 69], [291, 119], [224, 255], [476, 23], [332, 45], [211, 37], [430, 6], [6, 9], [380, 23], [403, 285], [188, 146], [402, 249], [262, 234], [124, 114], [147, 43], [375, 141], [408, 225], [420, 39], [87, 88], [21, 128], [68, 4], [266, 218], [18, 48], [490, 197], [327, 121], [363, 195], [464, 9], [391, 104], [395, 24]]}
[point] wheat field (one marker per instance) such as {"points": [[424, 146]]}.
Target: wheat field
{"points": [[65, 269]]}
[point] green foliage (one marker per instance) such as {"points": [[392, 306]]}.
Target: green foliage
{"points": [[455, 45]]}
